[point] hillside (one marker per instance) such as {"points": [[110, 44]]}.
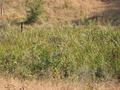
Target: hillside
{"points": [[66, 11], [59, 45]]}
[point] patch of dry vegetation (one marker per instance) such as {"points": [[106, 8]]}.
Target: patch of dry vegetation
{"points": [[66, 11], [62, 11]]}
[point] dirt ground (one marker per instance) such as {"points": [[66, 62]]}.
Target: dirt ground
{"points": [[16, 84]]}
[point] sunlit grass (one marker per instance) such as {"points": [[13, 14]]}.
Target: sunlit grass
{"points": [[61, 52]]}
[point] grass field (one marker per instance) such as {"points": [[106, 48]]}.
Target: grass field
{"points": [[59, 45], [61, 52]]}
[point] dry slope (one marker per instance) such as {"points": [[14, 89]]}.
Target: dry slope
{"points": [[64, 10]]}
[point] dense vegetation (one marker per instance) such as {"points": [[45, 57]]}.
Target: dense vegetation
{"points": [[61, 52]]}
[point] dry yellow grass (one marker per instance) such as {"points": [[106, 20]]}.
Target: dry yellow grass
{"points": [[61, 10], [67, 10]]}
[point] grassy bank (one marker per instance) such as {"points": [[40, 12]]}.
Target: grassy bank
{"points": [[61, 52]]}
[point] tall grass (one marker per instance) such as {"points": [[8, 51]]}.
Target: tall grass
{"points": [[61, 53]]}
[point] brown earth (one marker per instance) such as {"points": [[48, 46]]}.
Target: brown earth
{"points": [[16, 84]]}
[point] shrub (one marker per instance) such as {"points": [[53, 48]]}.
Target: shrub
{"points": [[33, 10]]}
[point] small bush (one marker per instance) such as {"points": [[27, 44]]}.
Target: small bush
{"points": [[33, 10]]}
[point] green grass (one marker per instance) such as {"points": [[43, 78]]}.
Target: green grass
{"points": [[61, 52]]}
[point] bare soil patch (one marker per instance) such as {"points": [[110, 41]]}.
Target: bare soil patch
{"points": [[16, 84]]}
